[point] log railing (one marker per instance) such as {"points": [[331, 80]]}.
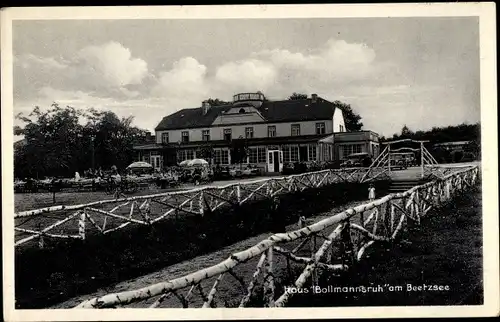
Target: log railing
{"points": [[107, 216], [335, 245]]}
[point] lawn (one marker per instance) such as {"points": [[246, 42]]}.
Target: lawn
{"points": [[446, 250]]}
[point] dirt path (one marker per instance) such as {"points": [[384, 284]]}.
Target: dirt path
{"points": [[229, 286]]}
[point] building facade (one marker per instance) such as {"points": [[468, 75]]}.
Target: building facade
{"points": [[274, 132]]}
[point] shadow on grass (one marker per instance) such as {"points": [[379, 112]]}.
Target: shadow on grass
{"points": [[63, 270]]}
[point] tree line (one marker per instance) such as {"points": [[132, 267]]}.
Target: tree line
{"points": [[470, 133], [63, 140]]}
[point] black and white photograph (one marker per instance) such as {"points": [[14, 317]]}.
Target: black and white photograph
{"points": [[243, 159]]}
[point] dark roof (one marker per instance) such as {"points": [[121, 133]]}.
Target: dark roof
{"points": [[272, 111], [191, 118], [297, 110]]}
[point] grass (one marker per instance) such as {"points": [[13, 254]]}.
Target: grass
{"points": [[445, 250], [68, 269]]}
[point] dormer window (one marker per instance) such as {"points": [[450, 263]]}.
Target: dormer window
{"points": [[320, 128], [242, 110], [249, 132], [164, 137], [227, 134]]}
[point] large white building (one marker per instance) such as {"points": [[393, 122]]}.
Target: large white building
{"points": [[275, 132]]}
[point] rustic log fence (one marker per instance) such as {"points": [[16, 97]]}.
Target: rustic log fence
{"points": [[107, 216], [345, 237]]}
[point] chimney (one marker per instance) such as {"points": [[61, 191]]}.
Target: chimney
{"points": [[205, 106], [314, 98]]}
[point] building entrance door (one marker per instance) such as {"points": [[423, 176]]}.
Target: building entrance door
{"points": [[274, 161], [155, 162]]}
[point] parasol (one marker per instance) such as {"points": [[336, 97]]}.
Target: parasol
{"points": [[139, 165], [197, 162]]}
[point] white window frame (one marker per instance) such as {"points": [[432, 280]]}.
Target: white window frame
{"points": [[320, 128], [163, 136], [271, 129], [249, 132], [205, 135]]}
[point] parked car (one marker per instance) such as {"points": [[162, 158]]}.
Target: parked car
{"points": [[356, 160]]}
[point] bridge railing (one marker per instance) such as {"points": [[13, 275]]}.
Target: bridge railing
{"points": [[251, 277], [108, 216]]}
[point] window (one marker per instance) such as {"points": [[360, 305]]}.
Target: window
{"points": [[327, 152], [290, 153], [257, 155], [249, 132], [185, 136], [221, 156], [205, 135], [252, 155], [154, 153], [185, 155], [227, 134], [261, 155], [295, 129], [164, 137], [271, 131], [320, 128], [312, 153], [341, 128], [350, 149]]}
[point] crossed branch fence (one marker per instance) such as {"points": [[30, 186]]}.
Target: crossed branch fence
{"points": [[107, 216], [332, 246]]}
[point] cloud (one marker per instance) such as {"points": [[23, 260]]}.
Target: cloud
{"points": [[108, 76], [105, 70], [112, 64], [185, 80], [247, 75]]}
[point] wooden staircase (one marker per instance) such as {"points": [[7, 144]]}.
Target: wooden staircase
{"points": [[404, 185]]}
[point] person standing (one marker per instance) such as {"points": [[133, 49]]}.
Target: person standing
{"points": [[371, 192], [116, 179]]}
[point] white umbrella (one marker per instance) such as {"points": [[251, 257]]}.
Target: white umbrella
{"points": [[184, 163], [139, 165], [197, 162]]}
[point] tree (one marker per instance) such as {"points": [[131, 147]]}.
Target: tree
{"points": [[217, 102], [297, 96], [57, 144], [406, 133], [351, 119], [53, 142], [238, 150], [206, 151]]}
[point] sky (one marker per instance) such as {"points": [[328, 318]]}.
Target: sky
{"points": [[419, 72]]}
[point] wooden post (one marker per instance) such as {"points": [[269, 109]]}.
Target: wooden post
{"points": [[314, 274], [238, 194], [41, 242], [269, 280], [422, 159], [386, 215], [81, 225], [200, 203], [389, 157]]}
